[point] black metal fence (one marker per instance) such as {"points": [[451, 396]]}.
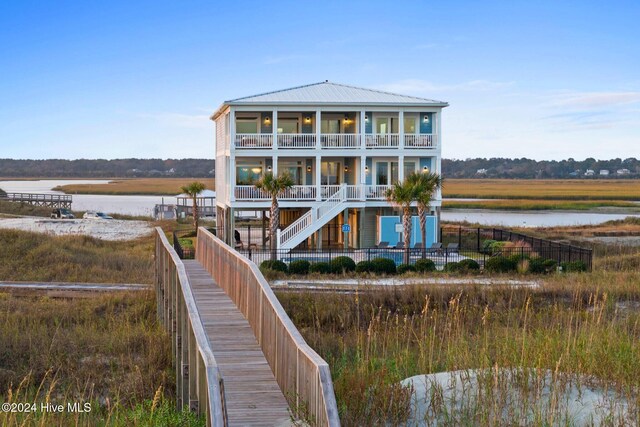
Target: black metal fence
{"points": [[253, 242], [183, 253], [475, 238]]}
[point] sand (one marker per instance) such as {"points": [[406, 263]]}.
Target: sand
{"points": [[101, 229]]}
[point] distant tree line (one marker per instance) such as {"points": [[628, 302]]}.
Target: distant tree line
{"points": [[540, 169], [202, 168], [100, 168]]}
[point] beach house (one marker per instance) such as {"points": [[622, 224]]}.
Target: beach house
{"points": [[343, 145]]}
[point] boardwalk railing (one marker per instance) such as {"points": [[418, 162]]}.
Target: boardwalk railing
{"points": [[51, 200], [198, 381], [303, 376]]}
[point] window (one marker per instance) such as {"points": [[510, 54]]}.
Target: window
{"points": [[386, 125], [294, 169], [287, 125], [247, 125], [409, 125], [330, 126], [248, 175], [330, 173], [409, 168]]}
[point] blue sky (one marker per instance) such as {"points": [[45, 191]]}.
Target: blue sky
{"points": [[545, 79]]}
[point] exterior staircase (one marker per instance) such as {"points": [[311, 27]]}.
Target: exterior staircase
{"points": [[312, 220]]}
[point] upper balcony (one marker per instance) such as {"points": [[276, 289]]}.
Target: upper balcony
{"points": [[310, 141], [331, 130]]}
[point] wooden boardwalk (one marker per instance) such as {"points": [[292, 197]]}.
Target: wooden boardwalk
{"points": [[253, 397]]}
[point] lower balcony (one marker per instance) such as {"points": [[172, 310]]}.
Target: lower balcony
{"points": [[311, 192]]}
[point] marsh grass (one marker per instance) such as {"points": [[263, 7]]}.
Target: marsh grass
{"points": [[136, 186], [27, 256], [14, 208], [575, 325], [528, 204], [108, 351], [548, 189]]}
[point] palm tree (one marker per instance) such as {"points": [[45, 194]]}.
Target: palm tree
{"points": [[274, 187], [401, 195], [192, 190], [426, 185]]}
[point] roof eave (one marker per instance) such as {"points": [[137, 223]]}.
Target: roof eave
{"points": [[337, 104]]}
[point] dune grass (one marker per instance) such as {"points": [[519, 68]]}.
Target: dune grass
{"points": [[548, 189], [27, 256], [582, 326], [14, 208], [108, 352], [136, 186], [532, 204]]}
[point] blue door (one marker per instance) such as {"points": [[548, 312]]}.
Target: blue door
{"points": [[389, 232]]}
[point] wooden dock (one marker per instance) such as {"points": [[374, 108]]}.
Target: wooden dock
{"points": [[252, 395], [239, 359], [56, 201]]}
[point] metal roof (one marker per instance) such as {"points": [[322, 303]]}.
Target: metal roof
{"points": [[329, 93]]}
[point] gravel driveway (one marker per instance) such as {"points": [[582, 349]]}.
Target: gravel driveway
{"points": [[102, 229]]}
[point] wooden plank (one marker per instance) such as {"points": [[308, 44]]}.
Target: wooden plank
{"points": [[252, 394]]}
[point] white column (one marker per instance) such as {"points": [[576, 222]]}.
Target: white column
{"points": [[318, 129], [401, 133], [363, 127], [274, 166], [274, 123], [363, 177], [232, 177], [232, 128], [401, 167], [318, 179]]}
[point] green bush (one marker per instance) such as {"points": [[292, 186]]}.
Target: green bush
{"points": [[469, 265], [496, 247], [320, 267], [501, 264], [425, 265], [342, 264], [299, 266], [405, 268], [487, 245], [573, 267], [364, 267], [542, 266], [452, 267], [383, 266], [273, 265]]}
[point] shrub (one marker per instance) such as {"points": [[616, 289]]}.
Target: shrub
{"points": [[523, 266], [405, 268], [425, 265], [384, 266], [500, 264], [320, 267], [542, 266], [487, 245], [273, 265], [452, 267], [574, 267], [342, 264], [299, 266], [497, 247], [364, 267], [469, 265]]}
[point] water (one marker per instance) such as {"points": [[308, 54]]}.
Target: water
{"points": [[125, 205], [529, 218], [143, 205]]}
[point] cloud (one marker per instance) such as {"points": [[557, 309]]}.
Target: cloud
{"points": [[417, 86], [589, 100], [580, 120]]}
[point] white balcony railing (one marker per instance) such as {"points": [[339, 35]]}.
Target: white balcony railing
{"points": [[420, 141], [296, 140], [389, 140], [254, 140], [376, 192], [300, 192], [340, 140], [309, 192], [250, 192]]}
